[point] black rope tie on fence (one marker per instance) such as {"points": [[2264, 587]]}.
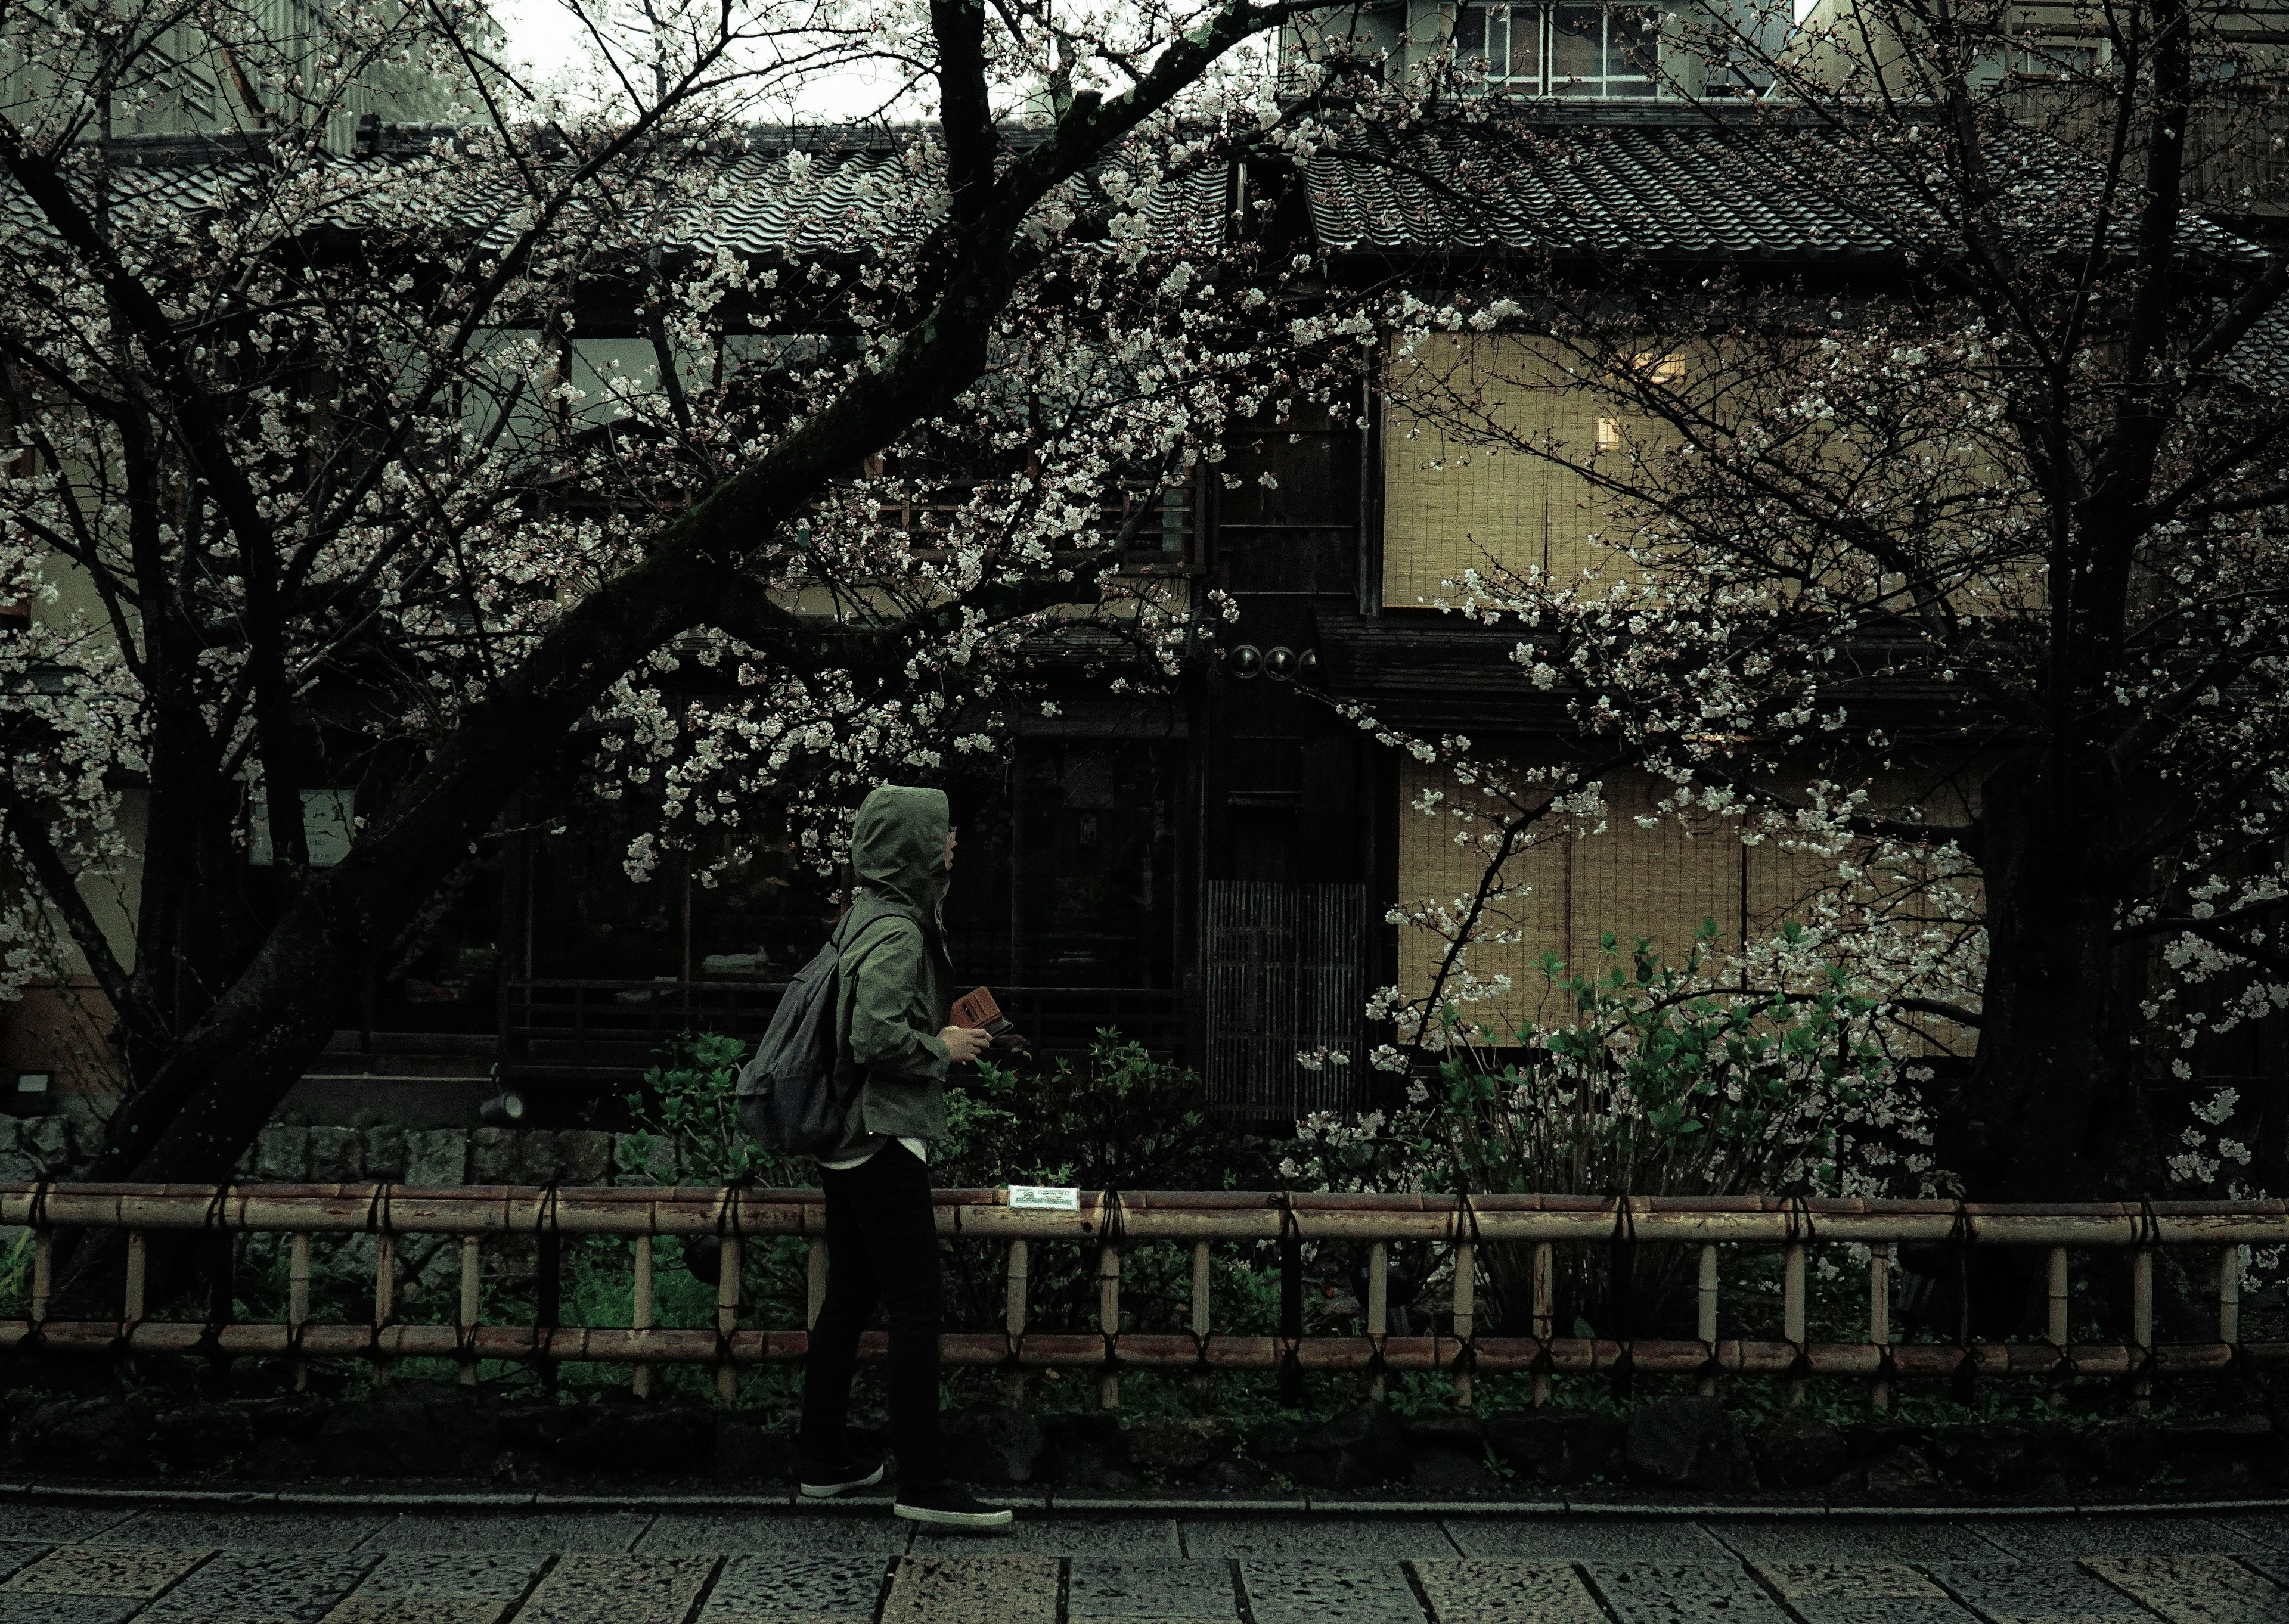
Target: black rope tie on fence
{"points": [[1291, 1299], [1961, 1235], [726, 1230], [1111, 1234], [2146, 1236], [1466, 1342], [378, 1223], [548, 1289], [1621, 1254], [37, 1220], [1801, 1233], [215, 1224]]}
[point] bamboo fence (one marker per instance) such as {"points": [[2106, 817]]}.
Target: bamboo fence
{"points": [[1110, 1223]]}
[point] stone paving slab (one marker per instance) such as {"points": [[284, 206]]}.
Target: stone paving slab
{"points": [[1683, 1593], [792, 1536], [972, 1590], [20, 1607], [596, 1533], [1329, 1539], [2196, 1589], [1309, 1591], [135, 1572], [1052, 1536], [441, 1588], [15, 1554], [1161, 1590], [476, 1576], [756, 1589], [2104, 1536], [260, 1586], [1880, 1609], [592, 1589], [317, 1531], [62, 1525], [2047, 1588], [2263, 1530], [1829, 1581], [429, 1609], [1822, 1540], [1555, 1539], [1467, 1590]]}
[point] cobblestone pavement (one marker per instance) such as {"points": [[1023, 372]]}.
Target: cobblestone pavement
{"points": [[78, 1563]]}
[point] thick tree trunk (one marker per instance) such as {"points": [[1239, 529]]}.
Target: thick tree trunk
{"points": [[2051, 1110]]}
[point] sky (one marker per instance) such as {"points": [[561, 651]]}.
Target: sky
{"points": [[540, 32]]}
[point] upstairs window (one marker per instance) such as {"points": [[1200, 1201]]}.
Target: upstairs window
{"points": [[1577, 49], [1508, 39]]}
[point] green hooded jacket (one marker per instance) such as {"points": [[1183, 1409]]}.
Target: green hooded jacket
{"points": [[895, 981]]}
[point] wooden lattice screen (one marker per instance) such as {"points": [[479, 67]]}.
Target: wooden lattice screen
{"points": [[1287, 975]]}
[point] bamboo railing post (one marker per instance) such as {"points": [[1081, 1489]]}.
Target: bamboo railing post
{"points": [[298, 1299], [1465, 1317], [1108, 1325], [1545, 1324], [1879, 1316], [727, 1317], [139, 1253], [1203, 1277], [1378, 1304], [1792, 1328], [2230, 1295], [465, 1322], [385, 1297], [1707, 1326], [2059, 1291], [2142, 1322], [640, 1315], [1013, 1324], [43, 1272], [815, 1281]]}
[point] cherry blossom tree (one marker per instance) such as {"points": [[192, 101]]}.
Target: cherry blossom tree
{"points": [[1953, 569], [317, 481]]}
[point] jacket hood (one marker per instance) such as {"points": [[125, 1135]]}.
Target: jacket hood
{"points": [[898, 846]]}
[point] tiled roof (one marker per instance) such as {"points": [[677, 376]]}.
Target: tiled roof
{"points": [[1654, 181], [2261, 361], [772, 195]]}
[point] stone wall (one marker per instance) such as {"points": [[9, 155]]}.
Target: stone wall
{"points": [[1692, 1445], [52, 1147]]}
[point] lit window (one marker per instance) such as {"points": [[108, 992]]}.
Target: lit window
{"points": [[1609, 434]]}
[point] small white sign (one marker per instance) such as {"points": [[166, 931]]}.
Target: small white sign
{"points": [[1040, 1195]]}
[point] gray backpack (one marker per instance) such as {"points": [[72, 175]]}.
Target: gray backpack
{"points": [[787, 1097]]}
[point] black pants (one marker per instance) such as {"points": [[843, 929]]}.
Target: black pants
{"points": [[881, 1246]]}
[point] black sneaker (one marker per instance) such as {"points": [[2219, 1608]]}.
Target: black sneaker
{"points": [[825, 1482], [948, 1506]]}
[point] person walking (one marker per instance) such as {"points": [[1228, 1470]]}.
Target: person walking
{"points": [[892, 1047]]}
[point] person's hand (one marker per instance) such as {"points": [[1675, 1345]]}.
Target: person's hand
{"points": [[965, 1042]]}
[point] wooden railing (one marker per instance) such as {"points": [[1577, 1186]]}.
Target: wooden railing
{"points": [[1109, 1223]]}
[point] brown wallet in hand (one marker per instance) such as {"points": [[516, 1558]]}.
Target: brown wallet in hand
{"points": [[977, 1008]]}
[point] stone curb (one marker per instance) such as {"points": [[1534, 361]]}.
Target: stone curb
{"points": [[1308, 1506]]}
